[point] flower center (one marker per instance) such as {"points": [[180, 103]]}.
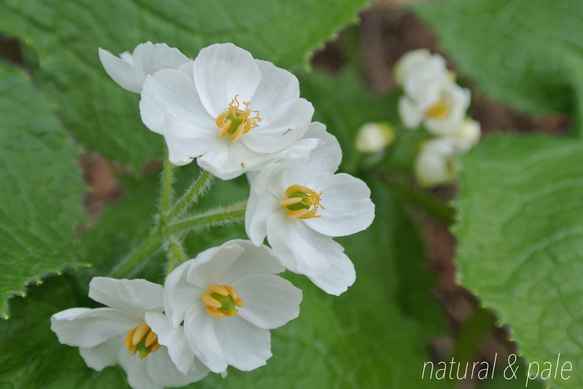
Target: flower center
{"points": [[438, 110], [142, 339], [235, 122], [301, 202], [221, 301]]}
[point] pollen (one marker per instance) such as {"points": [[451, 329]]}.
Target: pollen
{"points": [[235, 122], [221, 300], [439, 109], [301, 202], [143, 340]]}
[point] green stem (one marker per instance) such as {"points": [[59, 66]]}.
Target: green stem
{"points": [[139, 255], [429, 203], [220, 217], [177, 252], [166, 186], [191, 196]]}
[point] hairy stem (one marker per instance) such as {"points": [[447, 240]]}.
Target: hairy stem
{"points": [[191, 196], [219, 217], [166, 186]]}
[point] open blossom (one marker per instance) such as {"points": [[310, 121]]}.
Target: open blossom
{"points": [[231, 112], [130, 70], [301, 206], [431, 95], [123, 333], [228, 299]]}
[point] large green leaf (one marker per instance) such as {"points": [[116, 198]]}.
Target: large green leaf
{"points": [[64, 37], [524, 53], [40, 188], [521, 242]]}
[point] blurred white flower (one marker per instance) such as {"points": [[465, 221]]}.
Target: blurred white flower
{"points": [[301, 206], [437, 163], [442, 110], [229, 298], [374, 137], [121, 333], [231, 112], [431, 95], [467, 135], [130, 70]]}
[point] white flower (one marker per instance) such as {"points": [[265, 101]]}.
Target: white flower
{"points": [[431, 95], [374, 137], [229, 298], [124, 333], [300, 206], [232, 112], [467, 135], [437, 163], [130, 70], [441, 109]]}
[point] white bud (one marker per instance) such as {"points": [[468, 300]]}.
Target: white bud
{"points": [[437, 162], [374, 137]]}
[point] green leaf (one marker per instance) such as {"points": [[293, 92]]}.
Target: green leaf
{"points": [[32, 357], [64, 37], [40, 188], [521, 242], [524, 54]]}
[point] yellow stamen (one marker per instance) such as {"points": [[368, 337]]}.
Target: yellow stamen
{"points": [[142, 339], [438, 110], [209, 301], [222, 301], [301, 202], [236, 122]]}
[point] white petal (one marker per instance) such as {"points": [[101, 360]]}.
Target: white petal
{"points": [[210, 265], [245, 346], [173, 338], [162, 371], [222, 71], [102, 355], [261, 205], [122, 72], [305, 251], [154, 57], [282, 128], [322, 162], [275, 88], [199, 328], [410, 112], [171, 92], [269, 300], [254, 260], [137, 371], [133, 297], [179, 295], [86, 328], [229, 159], [408, 60], [348, 206], [187, 141]]}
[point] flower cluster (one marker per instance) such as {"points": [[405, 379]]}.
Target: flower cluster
{"points": [[234, 115], [434, 99]]}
